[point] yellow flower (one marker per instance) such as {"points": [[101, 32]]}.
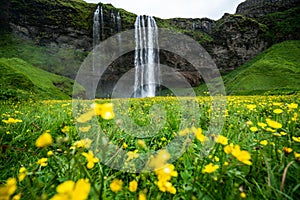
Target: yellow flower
{"points": [[17, 197], [44, 140], [261, 124], [84, 143], [85, 117], [69, 190], [287, 149], [116, 185], [283, 133], [65, 129], [273, 124], [43, 162], [166, 173], [85, 128], [226, 163], [222, 140], [165, 186], [133, 186], [241, 155], [210, 168], [8, 189], [125, 145], [277, 111], [160, 159], [22, 174], [11, 121], [297, 156], [90, 159], [50, 153], [142, 196], [296, 139], [249, 123], [294, 118], [270, 130], [132, 155], [251, 106], [198, 134], [253, 129], [104, 110], [243, 195], [263, 142], [141, 144], [228, 148], [292, 106], [277, 134], [184, 132]]}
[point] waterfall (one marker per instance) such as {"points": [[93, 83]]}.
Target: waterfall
{"points": [[96, 33], [146, 61], [119, 22], [102, 23], [113, 22]]}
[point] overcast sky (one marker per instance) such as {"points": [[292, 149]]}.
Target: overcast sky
{"points": [[213, 9]]}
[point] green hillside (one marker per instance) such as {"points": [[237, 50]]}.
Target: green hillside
{"points": [[275, 71], [20, 80]]}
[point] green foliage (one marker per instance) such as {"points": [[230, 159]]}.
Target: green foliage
{"points": [[19, 81]]}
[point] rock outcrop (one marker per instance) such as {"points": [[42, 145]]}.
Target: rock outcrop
{"points": [[258, 8]]}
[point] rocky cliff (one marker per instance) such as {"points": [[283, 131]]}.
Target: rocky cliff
{"points": [[231, 40]]}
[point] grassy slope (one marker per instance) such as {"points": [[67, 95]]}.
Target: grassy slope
{"points": [[276, 70], [20, 80]]}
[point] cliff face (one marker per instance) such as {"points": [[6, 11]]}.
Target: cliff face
{"points": [[231, 41], [258, 8]]}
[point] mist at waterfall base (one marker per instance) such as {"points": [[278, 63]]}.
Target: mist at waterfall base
{"points": [[146, 55]]}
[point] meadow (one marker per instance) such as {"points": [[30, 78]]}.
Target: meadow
{"points": [[151, 148]]}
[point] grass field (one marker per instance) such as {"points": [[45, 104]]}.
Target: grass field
{"points": [[46, 152]]}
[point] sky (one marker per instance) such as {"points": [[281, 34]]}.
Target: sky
{"points": [[213, 9]]}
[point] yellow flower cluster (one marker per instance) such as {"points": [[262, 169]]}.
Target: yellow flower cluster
{"points": [[210, 168], [104, 110], [222, 140], [116, 185], [196, 131], [69, 190], [11, 120], [22, 174], [241, 155], [164, 175]]}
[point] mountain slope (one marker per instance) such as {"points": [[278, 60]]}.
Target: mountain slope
{"points": [[276, 70], [20, 80]]}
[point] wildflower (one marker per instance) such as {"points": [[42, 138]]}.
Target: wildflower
{"points": [[287, 149], [251, 106], [243, 195], [11, 121], [210, 168], [198, 134], [294, 118], [297, 156], [277, 134], [133, 186], [85, 128], [141, 144], [104, 110], [228, 148], [270, 130], [22, 174], [241, 155], [116, 185], [282, 133], [253, 129], [261, 124], [90, 159], [184, 132], [249, 123], [142, 196], [85, 117], [166, 186], [222, 140], [273, 124], [50, 153], [44, 140], [277, 111], [8, 189], [132, 155], [65, 129], [292, 106], [125, 145], [17, 197], [69, 190], [42, 162], [166, 173], [226, 163], [216, 159], [263, 142], [84, 143], [296, 139]]}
